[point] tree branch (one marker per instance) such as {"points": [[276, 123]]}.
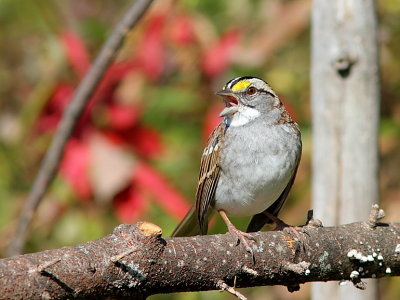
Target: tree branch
{"points": [[135, 262], [85, 90]]}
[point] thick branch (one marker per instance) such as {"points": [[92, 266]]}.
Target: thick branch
{"points": [[135, 262], [86, 88]]}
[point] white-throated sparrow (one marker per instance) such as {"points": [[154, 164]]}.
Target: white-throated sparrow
{"points": [[250, 161]]}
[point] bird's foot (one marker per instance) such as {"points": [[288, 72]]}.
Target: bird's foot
{"points": [[294, 230], [282, 226], [242, 237]]}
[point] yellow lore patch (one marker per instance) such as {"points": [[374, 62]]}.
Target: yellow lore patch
{"points": [[241, 85]]}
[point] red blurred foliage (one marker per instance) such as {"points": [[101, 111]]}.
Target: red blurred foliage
{"points": [[130, 203], [52, 111], [76, 52], [122, 117], [218, 56], [181, 30], [168, 197], [143, 140], [75, 167], [111, 78], [124, 128], [151, 48], [122, 124]]}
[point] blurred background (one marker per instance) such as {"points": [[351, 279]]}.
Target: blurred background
{"points": [[135, 154]]}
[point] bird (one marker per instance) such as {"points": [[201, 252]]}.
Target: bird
{"points": [[249, 163]]}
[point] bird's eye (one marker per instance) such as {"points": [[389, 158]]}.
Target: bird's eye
{"points": [[251, 91]]}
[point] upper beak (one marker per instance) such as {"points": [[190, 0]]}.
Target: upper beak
{"points": [[231, 102], [224, 93]]}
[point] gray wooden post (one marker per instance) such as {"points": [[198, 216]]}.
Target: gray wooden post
{"points": [[345, 104]]}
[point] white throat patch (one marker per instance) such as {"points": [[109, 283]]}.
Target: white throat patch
{"points": [[243, 116]]}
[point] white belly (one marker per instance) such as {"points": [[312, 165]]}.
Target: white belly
{"points": [[260, 167]]}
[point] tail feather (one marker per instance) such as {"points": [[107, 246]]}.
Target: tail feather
{"points": [[189, 226]]}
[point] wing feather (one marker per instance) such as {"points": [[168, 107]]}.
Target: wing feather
{"points": [[209, 176]]}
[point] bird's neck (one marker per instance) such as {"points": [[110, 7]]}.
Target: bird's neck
{"points": [[247, 115]]}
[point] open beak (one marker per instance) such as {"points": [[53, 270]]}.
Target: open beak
{"points": [[231, 102]]}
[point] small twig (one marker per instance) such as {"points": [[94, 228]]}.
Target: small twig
{"points": [[224, 287], [310, 215], [43, 267], [117, 257], [311, 221], [375, 215], [85, 90]]}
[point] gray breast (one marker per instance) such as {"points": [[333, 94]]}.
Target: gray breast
{"points": [[257, 162]]}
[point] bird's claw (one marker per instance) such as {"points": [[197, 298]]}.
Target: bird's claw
{"points": [[241, 237]]}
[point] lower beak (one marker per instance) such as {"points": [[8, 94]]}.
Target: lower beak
{"points": [[231, 103], [228, 111]]}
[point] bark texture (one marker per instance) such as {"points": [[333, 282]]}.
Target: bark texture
{"points": [[135, 262]]}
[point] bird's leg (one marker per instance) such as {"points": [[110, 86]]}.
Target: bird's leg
{"points": [[236, 232], [281, 225]]}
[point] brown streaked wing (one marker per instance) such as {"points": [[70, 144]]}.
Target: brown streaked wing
{"points": [[208, 177]]}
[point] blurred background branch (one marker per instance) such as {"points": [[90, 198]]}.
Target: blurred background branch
{"points": [[70, 119]]}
